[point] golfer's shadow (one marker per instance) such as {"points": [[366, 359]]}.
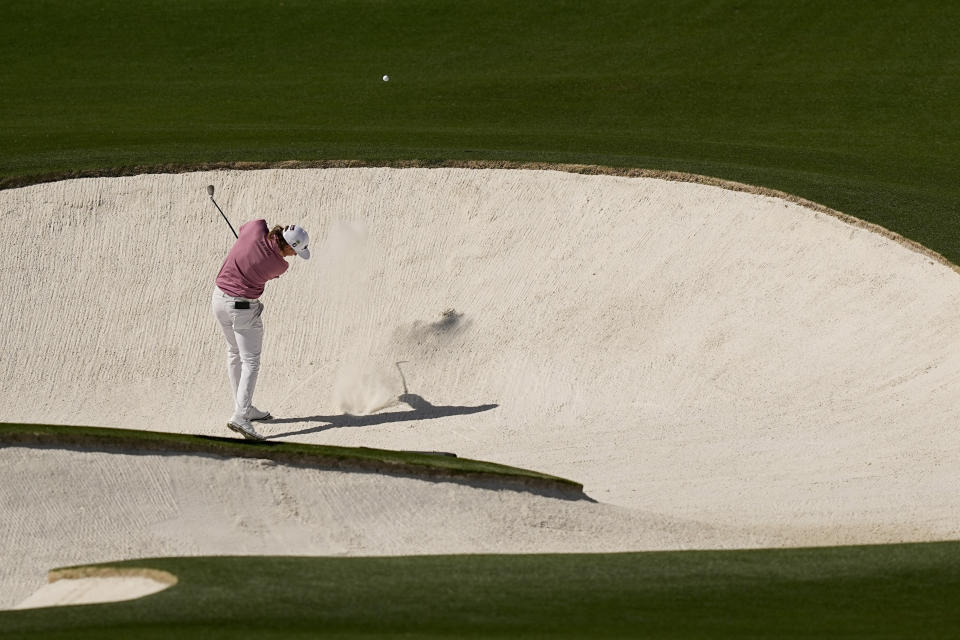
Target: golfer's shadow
{"points": [[420, 410]]}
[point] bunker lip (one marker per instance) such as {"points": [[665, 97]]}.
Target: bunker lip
{"points": [[423, 465], [13, 182], [98, 584]]}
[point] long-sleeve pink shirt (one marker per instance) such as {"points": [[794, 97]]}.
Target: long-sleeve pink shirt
{"points": [[254, 259]]}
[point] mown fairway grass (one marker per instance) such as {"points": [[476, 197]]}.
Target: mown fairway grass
{"points": [[851, 104], [898, 591]]}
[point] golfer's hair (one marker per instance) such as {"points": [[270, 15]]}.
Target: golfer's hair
{"points": [[277, 233]]}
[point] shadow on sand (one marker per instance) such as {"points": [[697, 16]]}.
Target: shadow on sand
{"points": [[420, 410]]}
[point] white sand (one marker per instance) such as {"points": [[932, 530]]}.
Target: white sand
{"points": [[689, 353], [95, 589], [64, 508]]}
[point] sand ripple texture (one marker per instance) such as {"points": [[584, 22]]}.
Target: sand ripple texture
{"points": [[683, 350], [63, 508]]}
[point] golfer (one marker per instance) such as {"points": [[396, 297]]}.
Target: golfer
{"points": [[257, 256]]}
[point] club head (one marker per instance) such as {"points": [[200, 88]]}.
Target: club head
{"points": [[210, 190]]}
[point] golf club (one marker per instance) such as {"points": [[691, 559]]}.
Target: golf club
{"points": [[402, 377], [210, 191]]}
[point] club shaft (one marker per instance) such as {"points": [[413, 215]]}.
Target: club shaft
{"points": [[224, 217]]}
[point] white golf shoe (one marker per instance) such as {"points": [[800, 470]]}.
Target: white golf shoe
{"points": [[257, 414], [244, 428]]}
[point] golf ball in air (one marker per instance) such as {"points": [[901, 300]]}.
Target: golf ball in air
{"points": [[386, 78]]}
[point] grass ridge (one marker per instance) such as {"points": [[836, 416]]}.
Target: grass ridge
{"points": [[418, 465]]}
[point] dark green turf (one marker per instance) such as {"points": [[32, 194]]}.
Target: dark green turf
{"points": [[361, 459], [851, 104], [899, 591]]}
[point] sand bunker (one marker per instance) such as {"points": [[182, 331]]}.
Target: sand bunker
{"points": [[64, 508], [683, 350], [93, 586]]}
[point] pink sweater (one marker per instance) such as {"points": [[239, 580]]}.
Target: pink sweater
{"points": [[254, 259]]}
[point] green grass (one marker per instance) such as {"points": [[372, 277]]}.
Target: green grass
{"points": [[900, 591], [849, 104], [409, 463]]}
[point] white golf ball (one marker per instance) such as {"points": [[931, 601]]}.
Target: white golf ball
{"points": [[386, 78]]}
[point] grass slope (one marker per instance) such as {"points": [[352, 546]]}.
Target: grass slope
{"points": [[407, 463], [900, 591], [849, 104]]}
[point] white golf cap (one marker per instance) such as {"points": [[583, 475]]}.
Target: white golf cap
{"points": [[298, 239]]}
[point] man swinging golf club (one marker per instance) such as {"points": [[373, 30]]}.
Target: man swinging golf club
{"points": [[257, 256]]}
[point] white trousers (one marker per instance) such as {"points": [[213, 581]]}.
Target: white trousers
{"points": [[243, 329]]}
